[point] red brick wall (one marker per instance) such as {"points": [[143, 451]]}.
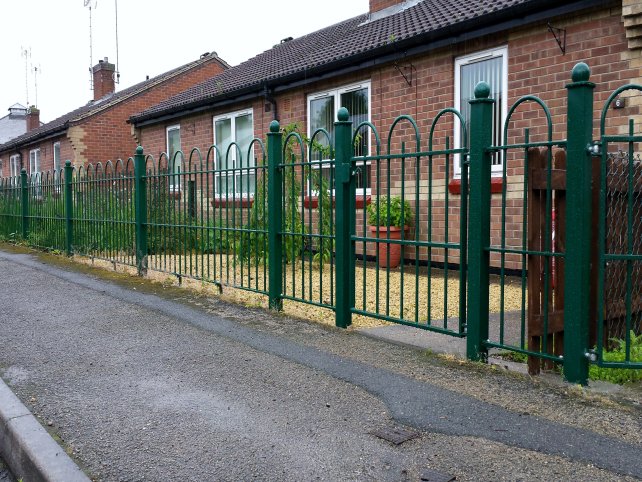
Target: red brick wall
{"points": [[376, 5], [536, 66], [107, 135]]}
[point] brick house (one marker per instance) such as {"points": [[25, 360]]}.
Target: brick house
{"points": [[98, 130], [416, 57]]}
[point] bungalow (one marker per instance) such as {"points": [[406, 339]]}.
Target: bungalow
{"points": [[414, 57], [98, 130]]}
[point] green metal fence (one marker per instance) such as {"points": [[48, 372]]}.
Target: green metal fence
{"points": [[206, 216], [46, 210], [11, 219], [103, 219], [306, 224], [302, 223]]}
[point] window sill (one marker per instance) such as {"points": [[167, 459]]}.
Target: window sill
{"points": [[496, 184], [233, 202], [312, 202]]}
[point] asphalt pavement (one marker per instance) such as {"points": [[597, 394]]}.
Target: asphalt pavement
{"points": [[5, 475], [140, 382]]}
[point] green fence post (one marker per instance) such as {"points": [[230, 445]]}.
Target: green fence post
{"points": [[481, 138], [140, 201], [275, 216], [69, 206], [24, 191], [344, 212], [577, 269]]}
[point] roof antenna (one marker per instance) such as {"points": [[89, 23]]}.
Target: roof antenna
{"points": [[36, 70], [88, 3], [117, 76], [26, 53]]}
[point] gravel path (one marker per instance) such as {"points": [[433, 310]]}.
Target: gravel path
{"points": [[175, 386], [314, 284]]}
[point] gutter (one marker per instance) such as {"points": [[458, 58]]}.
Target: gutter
{"points": [[413, 46], [25, 143]]}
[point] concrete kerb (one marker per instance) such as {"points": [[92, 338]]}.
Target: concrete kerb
{"points": [[31, 453]]}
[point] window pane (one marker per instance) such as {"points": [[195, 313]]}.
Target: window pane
{"points": [[34, 161], [322, 117], [245, 183], [491, 71], [356, 102], [56, 152], [173, 146], [223, 139], [244, 131]]}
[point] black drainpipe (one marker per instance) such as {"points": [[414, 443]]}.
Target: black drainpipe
{"points": [[267, 94]]}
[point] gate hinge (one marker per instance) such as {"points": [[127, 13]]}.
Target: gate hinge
{"points": [[591, 355]]}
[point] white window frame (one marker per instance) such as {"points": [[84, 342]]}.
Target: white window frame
{"points": [[502, 51], [57, 165], [232, 116], [174, 180], [14, 165], [337, 105], [34, 164]]}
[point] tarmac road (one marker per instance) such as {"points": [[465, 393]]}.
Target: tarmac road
{"points": [[5, 475], [167, 386]]}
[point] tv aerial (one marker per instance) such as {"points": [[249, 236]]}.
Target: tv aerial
{"points": [[92, 4]]}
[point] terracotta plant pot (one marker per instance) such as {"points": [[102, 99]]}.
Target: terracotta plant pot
{"points": [[383, 247]]}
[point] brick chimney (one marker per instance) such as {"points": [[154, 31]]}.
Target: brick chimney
{"points": [[103, 78], [376, 5], [33, 118]]}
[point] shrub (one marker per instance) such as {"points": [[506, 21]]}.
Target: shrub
{"points": [[396, 210]]}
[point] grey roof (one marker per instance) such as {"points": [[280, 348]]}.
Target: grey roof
{"points": [[93, 107], [348, 42], [12, 126]]}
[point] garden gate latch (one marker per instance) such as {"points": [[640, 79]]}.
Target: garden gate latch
{"points": [[344, 173]]}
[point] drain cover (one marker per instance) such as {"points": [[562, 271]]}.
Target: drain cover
{"points": [[429, 475], [396, 435]]}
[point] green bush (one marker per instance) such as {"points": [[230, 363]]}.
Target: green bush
{"points": [[396, 211], [618, 354]]}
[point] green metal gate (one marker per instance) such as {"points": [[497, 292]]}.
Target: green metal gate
{"points": [[619, 307], [412, 259]]}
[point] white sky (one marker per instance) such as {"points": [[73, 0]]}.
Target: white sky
{"points": [[152, 39]]}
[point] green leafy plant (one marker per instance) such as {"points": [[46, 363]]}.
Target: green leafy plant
{"points": [[618, 354], [398, 209], [251, 247], [324, 247]]}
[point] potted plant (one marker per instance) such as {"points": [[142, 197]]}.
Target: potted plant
{"points": [[387, 223]]}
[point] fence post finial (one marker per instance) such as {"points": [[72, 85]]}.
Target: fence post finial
{"points": [[578, 225]]}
